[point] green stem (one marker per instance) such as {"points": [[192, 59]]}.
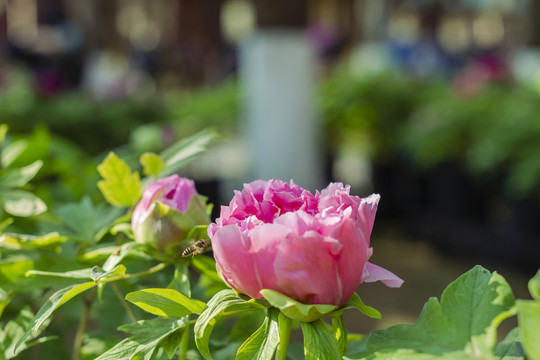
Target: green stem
{"points": [[285, 326], [152, 270], [126, 306], [184, 345], [81, 329]]}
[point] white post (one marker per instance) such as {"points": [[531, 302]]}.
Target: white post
{"points": [[278, 76]]}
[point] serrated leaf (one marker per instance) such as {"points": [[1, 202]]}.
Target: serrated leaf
{"points": [[21, 176], [22, 203], [319, 342], [165, 302], [54, 302], [294, 309], [529, 327], [510, 348], [79, 218], [121, 187], [262, 344], [144, 339], [179, 154], [222, 304], [534, 286], [462, 326], [152, 163]]}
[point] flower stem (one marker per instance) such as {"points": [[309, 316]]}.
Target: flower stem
{"points": [[81, 329], [123, 302], [285, 326]]}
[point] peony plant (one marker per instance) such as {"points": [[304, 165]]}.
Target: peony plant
{"points": [[298, 254]]}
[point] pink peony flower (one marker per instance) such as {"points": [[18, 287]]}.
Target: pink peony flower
{"points": [[169, 208], [312, 248]]}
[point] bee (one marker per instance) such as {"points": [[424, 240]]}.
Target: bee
{"points": [[195, 249]]}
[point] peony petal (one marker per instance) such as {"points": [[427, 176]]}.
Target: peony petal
{"points": [[264, 241], [374, 273], [306, 269], [366, 213], [231, 251], [353, 256]]}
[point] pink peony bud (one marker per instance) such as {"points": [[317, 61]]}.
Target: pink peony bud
{"points": [[169, 209], [312, 248]]}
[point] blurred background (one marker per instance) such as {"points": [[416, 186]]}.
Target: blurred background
{"points": [[433, 104]]}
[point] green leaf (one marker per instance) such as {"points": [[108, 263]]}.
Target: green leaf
{"points": [[294, 309], [172, 342], [54, 302], [22, 203], [165, 302], [462, 326], [355, 302], [5, 299], [340, 332], [21, 176], [13, 151], [510, 348], [534, 286], [79, 218], [179, 154], [98, 273], [75, 274], [152, 164], [262, 344], [11, 332], [145, 336], [3, 132], [50, 241], [5, 223], [319, 342], [222, 304], [120, 186], [529, 327]]}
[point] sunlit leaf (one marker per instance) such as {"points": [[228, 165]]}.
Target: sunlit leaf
{"points": [[145, 336], [319, 342], [165, 302], [121, 187], [355, 302], [294, 309], [222, 304], [461, 326], [529, 327], [534, 286], [20, 176], [340, 333], [152, 164], [179, 154], [22, 203], [48, 241], [98, 273], [262, 344], [54, 302]]}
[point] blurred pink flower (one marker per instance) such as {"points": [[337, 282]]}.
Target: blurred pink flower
{"points": [[169, 208], [312, 248]]}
